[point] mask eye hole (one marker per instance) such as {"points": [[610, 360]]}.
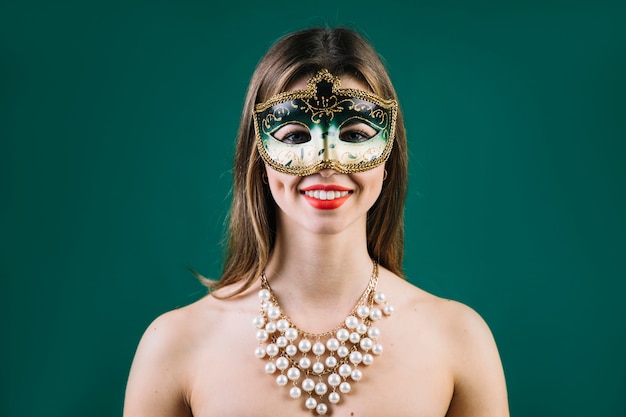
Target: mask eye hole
{"points": [[292, 134], [357, 132]]}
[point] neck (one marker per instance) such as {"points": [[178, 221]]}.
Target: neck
{"points": [[318, 278]]}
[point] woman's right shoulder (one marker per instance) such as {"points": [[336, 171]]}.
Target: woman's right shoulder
{"points": [[159, 375], [181, 327], [173, 337], [170, 332], [169, 352], [184, 323]]}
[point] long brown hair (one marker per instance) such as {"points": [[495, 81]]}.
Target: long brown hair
{"points": [[252, 215]]}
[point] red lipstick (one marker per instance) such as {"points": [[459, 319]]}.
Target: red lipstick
{"points": [[316, 195]]}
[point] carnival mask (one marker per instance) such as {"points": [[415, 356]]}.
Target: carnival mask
{"points": [[318, 128]]}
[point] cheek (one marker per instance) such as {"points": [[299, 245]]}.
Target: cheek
{"points": [[379, 187], [282, 184], [372, 180], [374, 188]]}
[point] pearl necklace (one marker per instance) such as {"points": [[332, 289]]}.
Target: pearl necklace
{"points": [[321, 366]]}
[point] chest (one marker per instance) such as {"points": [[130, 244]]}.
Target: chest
{"points": [[409, 378]]}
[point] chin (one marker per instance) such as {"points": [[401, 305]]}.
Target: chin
{"points": [[328, 227]]}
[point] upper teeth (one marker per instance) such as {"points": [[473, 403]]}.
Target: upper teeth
{"points": [[326, 195]]}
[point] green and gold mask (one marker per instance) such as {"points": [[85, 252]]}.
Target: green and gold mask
{"points": [[300, 132]]}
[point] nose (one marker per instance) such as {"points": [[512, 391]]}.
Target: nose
{"points": [[327, 172]]}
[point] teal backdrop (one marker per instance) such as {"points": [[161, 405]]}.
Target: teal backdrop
{"points": [[117, 127]]}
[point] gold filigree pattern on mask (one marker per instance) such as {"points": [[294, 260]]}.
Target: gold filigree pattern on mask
{"points": [[325, 107]]}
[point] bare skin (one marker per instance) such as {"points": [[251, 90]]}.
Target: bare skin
{"points": [[439, 359]]}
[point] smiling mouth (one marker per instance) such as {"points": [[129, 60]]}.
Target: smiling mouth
{"points": [[326, 195]]}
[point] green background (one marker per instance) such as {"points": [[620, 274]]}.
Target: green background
{"points": [[117, 122]]}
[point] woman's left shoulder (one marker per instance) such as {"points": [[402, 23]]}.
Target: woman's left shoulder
{"points": [[459, 324], [462, 338]]}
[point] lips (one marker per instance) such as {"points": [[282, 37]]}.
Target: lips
{"points": [[326, 196]]}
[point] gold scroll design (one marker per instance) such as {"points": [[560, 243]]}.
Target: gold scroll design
{"points": [[326, 108]]}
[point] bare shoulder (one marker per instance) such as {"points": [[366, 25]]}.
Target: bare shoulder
{"points": [[461, 323], [156, 383], [452, 319], [160, 380], [463, 339], [170, 334], [175, 334]]}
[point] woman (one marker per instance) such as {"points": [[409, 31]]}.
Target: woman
{"points": [[312, 314]]}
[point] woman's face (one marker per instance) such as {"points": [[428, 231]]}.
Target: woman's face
{"points": [[326, 201]]}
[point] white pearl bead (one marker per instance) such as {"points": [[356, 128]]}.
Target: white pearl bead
{"points": [[352, 322], [376, 314], [318, 367], [345, 387], [261, 335], [355, 337], [373, 332], [259, 352], [282, 325], [272, 350], [345, 370], [343, 351], [304, 345], [321, 388], [363, 311], [270, 368], [356, 357], [366, 343], [343, 335], [368, 359], [291, 334], [321, 409], [377, 349], [388, 310], [331, 362], [273, 312], [357, 375], [310, 403], [282, 363], [361, 328], [258, 321], [265, 305], [291, 350], [334, 397], [380, 297], [332, 344], [334, 380], [282, 341], [308, 384], [293, 373], [264, 294], [281, 380], [295, 392], [319, 348], [304, 363], [270, 327]]}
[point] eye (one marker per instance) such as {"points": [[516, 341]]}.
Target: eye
{"points": [[292, 134], [357, 132]]}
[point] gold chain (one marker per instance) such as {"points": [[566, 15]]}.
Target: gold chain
{"points": [[368, 295]]}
